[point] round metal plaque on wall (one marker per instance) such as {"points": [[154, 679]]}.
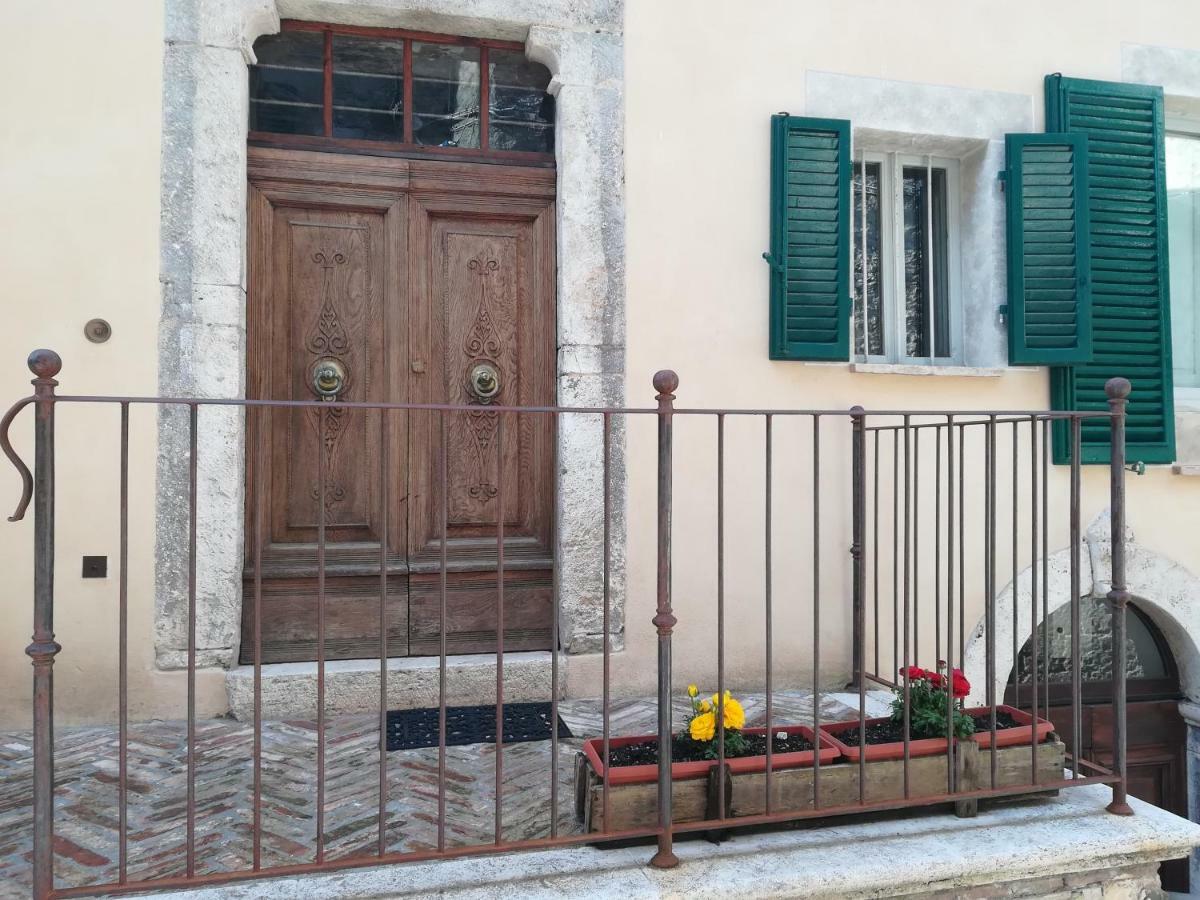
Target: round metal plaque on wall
{"points": [[97, 331]]}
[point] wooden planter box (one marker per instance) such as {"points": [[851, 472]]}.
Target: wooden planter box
{"points": [[635, 805], [593, 750], [1005, 737]]}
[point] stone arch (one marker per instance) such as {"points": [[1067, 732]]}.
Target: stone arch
{"points": [[1166, 591], [201, 339]]}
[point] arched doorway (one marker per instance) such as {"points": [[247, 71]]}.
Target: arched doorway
{"points": [[1157, 734]]}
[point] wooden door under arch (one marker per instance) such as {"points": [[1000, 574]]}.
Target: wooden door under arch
{"points": [[402, 278], [1156, 743]]}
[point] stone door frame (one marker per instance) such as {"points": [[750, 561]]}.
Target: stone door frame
{"points": [[202, 326]]}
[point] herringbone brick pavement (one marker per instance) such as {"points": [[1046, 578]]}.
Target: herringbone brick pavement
{"points": [[86, 778]]}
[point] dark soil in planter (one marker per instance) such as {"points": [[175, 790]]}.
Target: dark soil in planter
{"points": [[684, 749], [890, 732]]}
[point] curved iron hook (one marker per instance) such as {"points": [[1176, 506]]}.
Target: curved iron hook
{"points": [[18, 463]]}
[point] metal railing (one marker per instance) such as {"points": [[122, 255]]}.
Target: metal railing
{"points": [[955, 439]]}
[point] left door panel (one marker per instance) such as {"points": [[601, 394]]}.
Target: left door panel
{"points": [[326, 275]]}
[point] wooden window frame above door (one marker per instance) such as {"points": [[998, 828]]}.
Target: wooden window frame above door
{"points": [[407, 148]]}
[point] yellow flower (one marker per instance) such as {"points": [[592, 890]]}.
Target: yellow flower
{"points": [[735, 715], [693, 690], [703, 727], [705, 706]]}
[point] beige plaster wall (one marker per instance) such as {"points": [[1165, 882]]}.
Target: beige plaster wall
{"points": [[79, 174], [80, 181], [702, 80]]}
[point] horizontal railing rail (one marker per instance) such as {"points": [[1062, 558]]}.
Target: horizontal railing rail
{"points": [[917, 484]]}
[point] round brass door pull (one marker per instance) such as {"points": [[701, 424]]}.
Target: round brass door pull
{"points": [[328, 378], [484, 382]]}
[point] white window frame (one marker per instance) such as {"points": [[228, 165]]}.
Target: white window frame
{"points": [[1186, 127], [891, 187]]}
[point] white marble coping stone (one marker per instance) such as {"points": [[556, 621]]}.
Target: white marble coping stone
{"points": [[844, 858]]}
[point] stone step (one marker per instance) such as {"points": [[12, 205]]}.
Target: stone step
{"points": [[289, 690]]}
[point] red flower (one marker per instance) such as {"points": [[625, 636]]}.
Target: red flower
{"points": [[914, 672], [937, 680], [961, 686]]}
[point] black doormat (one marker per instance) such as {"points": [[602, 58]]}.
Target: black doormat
{"points": [[408, 729]]}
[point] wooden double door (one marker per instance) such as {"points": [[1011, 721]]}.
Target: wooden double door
{"points": [[390, 280]]}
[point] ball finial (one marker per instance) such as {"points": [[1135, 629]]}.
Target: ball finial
{"points": [[44, 363], [1117, 388], [666, 381]]}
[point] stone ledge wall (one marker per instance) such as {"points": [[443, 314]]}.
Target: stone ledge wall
{"points": [[1129, 883]]}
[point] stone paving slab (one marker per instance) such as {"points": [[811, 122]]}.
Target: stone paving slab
{"points": [[86, 779]]}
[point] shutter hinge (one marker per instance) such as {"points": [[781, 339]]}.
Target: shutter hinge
{"points": [[1002, 177], [1003, 311], [775, 266]]}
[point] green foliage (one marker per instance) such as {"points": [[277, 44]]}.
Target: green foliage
{"points": [[928, 705]]}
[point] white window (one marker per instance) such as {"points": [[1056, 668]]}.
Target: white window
{"points": [[1183, 229], [905, 240]]}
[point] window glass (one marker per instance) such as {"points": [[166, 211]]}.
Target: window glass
{"points": [[925, 263], [1143, 657], [1183, 228], [520, 112], [445, 95], [287, 83], [868, 244], [368, 88]]}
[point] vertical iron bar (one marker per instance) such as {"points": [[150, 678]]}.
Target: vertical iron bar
{"points": [[721, 811], [816, 601], [443, 487], [44, 364], [1117, 390], [858, 556], [1016, 628], [951, 779], [767, 612], [384, 540], [720, 695], [916, 546], [937, 543], [193, 422], [123, 661], [989, 557], [875, 545], [322, 491], [607, 624], [962, 546], [1076, 651], [1033, 592], [485, 82], [665, 383], [500, 513], [407, 88], [327, 85], [1045, 565], [260, 478], [858, 511], [907, 624], [895, 553], [555, 619]]}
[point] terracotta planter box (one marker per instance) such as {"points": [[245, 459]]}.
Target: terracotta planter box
{"points": [[593, 751], [1005, 737], [635, 805]]}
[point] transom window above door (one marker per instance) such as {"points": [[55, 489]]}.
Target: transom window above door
{"points": [[385, 90], [906, 259]]}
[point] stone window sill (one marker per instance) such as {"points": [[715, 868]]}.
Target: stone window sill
{"points": [[940, 371], [1189, 469]]}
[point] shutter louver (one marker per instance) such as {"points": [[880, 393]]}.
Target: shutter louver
{"points": [[1131, 334], [1049, 301], [810, 238]]}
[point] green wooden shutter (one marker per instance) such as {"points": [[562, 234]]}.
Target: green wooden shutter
{"points": [[810, 238], [1131, 328], [1049, 301]]}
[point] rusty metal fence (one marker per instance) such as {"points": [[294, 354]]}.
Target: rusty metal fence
{"points": [[894, 457]]}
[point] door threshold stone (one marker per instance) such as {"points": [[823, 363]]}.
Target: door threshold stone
{"points": [[289, 690]]}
